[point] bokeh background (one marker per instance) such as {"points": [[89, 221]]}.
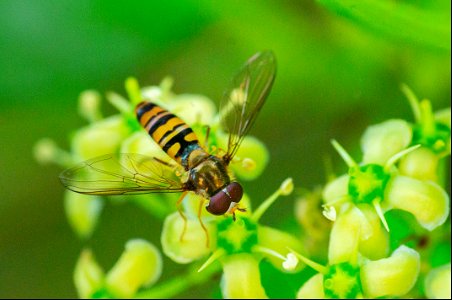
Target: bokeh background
{"points": [[340, 65]]}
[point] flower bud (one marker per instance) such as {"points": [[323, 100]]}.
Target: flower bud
{"points": [[88, 276], [89, 105], [82, 212], [191, 245], [46, 151], [139, 265], [252, 150]]}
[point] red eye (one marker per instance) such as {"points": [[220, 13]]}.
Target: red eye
{"points": [[235, 191], [220, 202]]}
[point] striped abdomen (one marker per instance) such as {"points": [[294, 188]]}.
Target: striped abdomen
{"points": [[175, 137]]}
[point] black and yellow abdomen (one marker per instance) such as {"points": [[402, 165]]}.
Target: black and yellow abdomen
{"points": [[172, 134]]}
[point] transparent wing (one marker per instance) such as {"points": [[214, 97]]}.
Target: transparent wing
{"points": [[245, 97], [126, 173]]}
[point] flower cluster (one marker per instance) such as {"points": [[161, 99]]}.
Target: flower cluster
{"points": [[400, 170], [399, 179], [239, 245]]}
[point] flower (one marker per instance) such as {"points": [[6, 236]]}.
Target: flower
{"points": [[350, 274], [140, 265], [243, 243], [382, 187], [433, 132]]}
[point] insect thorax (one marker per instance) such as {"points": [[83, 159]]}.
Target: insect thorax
{"points": [[208, 175]]}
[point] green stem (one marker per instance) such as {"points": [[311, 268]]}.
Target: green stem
{"points": [[265, 205], [175, 286]]}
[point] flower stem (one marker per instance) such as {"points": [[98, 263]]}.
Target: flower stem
{"points": [[178, 285]]}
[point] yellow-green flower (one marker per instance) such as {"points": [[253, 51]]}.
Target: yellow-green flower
{"points": [[394, 276], [383, 188], [433, 132]]}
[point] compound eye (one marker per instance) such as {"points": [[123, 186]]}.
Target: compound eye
{"points": [[235, 191], [219, 203]]}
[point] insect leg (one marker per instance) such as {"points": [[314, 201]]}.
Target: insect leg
{"points": [[201, 205], [179, 209], [206, 141]]}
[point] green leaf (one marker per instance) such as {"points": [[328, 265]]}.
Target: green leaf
{"points": [[398, 21]]}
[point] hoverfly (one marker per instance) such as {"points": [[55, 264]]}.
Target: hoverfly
{"points": [[192, 168]]}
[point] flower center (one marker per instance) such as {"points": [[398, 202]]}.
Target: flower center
{"points": [[367, 183], [342, 281], [237, 237], [436, 140]]}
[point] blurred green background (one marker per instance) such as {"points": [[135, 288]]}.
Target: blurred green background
{"points": [[340, 64]]}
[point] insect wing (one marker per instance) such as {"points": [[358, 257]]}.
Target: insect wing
{"points": [[126, 173], [245, 97]]}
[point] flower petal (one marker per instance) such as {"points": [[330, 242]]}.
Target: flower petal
{"points": [[241, 277], [193, 244], [382, 141], [392, 276], [375, 245], [103, 137], [421, 164], [336, 189], [193, 109], [426, 200], [347, 230], [139, 265], [140, 142], [312, 289], [437, 283]]}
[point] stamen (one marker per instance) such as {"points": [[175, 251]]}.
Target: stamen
{"points": [[47, 151], [412, 99], [290, 261], [318, 267], [285, 189], [133, 90], [121, 104], [215, 256], [377, 206], [329, 212], [345, 156], [391, 161], [427, 120]]}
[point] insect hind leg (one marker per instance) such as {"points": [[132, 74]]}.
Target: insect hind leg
{"points": [[181, 213], [201, 205]]}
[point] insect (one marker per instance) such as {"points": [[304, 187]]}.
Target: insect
{"points": [[191, 168]]}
